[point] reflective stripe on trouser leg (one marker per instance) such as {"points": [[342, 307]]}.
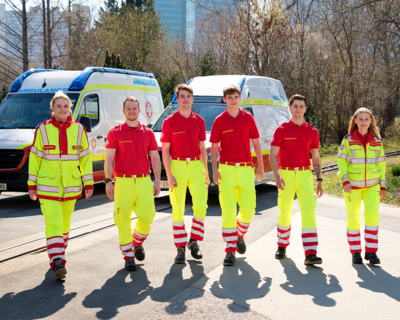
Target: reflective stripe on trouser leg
{"points": [[310, 241], [57, 217], [354, 239], [371, 239], [197, 186], [177, 197], [66, 237], [283, 236], [230, 236], [242, 228], [138, 238], [371, 197], [127, 250]]}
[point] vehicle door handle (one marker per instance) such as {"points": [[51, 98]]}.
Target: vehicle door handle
{"points": [[99, 137]]}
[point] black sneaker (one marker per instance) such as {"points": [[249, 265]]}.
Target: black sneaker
{"points": [[130, 264], [356, 258], [372, 257], [280, 253], [139, 253], [59, 269], [241, 246], [230, 259], [312, 259], [180, 257], [194, 249]]}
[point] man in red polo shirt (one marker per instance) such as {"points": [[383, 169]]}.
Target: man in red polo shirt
{"points": [[234, 128], [185, 161], [129, 146], [293, 141]]}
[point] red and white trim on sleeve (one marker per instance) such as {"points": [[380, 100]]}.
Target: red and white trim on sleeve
{"points": [[138, 238], [242, 228], [197, 231], [354, 239], [66, 237], [371, 239], [310, 241], [127, 250], [55, 249], [180, 235], [284, 236], [230, 236], [32, 178]]}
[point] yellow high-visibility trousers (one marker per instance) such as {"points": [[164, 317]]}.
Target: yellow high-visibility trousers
{"points": [[236, 186], [371, 198], [188, 174], [133, 194], [299, 183], [57, 218]]}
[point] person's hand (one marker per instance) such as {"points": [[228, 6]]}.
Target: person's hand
{"points": [[216, 177], [172, 182], [320, 190], [280, 183], [88, 193], [260, 174], [383, 194], [207, 178], [33, 194], [156, 189], [110, 190], [347, 188]]}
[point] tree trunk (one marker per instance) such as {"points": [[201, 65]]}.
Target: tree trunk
{"points": [[25, 57], [44, 35], [49, 32]]}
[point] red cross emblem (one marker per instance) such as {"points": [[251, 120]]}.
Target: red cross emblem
{"points": [[149, 110], [93, 143]]}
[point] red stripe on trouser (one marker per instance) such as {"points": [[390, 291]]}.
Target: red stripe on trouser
{"points": [[138, 238], [283, 236], [197, 231], [310, 242], [230, 237], [180, 236], [354, 240], [55, 249], [66, 238], [371, 239], [242, 228], [128, 250]]}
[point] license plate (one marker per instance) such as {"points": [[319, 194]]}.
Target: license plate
{"points": [[3, 186], [164, 185]]}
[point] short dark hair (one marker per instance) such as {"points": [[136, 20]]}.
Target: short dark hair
{"points": [[183, 86], [230, 89], [131, 98], [297, 97]]}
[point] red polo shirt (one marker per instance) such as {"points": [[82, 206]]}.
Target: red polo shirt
{"points": [[234, 135], [133, 145], [295, 143], [184, 134]]}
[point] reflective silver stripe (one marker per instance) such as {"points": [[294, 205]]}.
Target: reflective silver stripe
{"points": [[344, 156], [79, 139], [345, 177], [383, 183], [371, 161], [52, 157], [376, 139], [45, 139], [84, 153], [32, 178], [40, 154], [353, 153], [357, 161], [363, 160], [362, 183], [381, 159], [47, 188], [377, 154], [69, 157], [87, 177], [72, 189]]}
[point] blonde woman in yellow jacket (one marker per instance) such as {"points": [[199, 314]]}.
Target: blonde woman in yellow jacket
{"points": [[362, 165], [59, 149]]}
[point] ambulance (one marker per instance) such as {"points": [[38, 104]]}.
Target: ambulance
{"points": [[262, 97], [97, 95]]}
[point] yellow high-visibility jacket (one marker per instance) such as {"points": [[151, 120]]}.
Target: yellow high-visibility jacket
{"points": [[361, 168], [57, 151]]}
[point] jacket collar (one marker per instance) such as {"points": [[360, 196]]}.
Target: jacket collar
{"points": [[304, 125], [178, 114], [227, 115], [126, 127], [60, 124], [355, 135]]}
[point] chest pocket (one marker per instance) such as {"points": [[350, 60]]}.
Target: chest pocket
{"points": [[375, 150], [354, 150]]}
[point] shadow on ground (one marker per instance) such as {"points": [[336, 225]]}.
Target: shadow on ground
{"points": [[314, 283], [37, 303]]}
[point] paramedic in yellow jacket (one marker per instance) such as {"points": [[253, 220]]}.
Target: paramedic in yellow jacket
{"points": [[59, 150], [362, 166]]}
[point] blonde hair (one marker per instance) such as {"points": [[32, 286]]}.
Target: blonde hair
{"points": [[372, 127], [131, 98], [60, 95]]}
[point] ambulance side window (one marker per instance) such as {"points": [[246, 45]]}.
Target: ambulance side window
{"points": [[249, 110], [90, 108]]}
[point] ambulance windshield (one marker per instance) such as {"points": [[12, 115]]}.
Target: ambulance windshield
{"points": [[207, 111], [27, 110]]}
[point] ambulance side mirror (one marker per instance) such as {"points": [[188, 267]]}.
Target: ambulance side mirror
{"points": [[85, 121]]}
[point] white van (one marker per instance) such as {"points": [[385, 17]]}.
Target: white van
{"points": [[96, 93], [263, 97]]}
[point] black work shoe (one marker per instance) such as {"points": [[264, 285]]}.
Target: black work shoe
{"points": [[230, 259], [180, 257], [312, 259], [280, 253], [139, 253], [372, 257], [356, 258], [130, 264], [59, 269], [194, 248], [241, 246]]}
